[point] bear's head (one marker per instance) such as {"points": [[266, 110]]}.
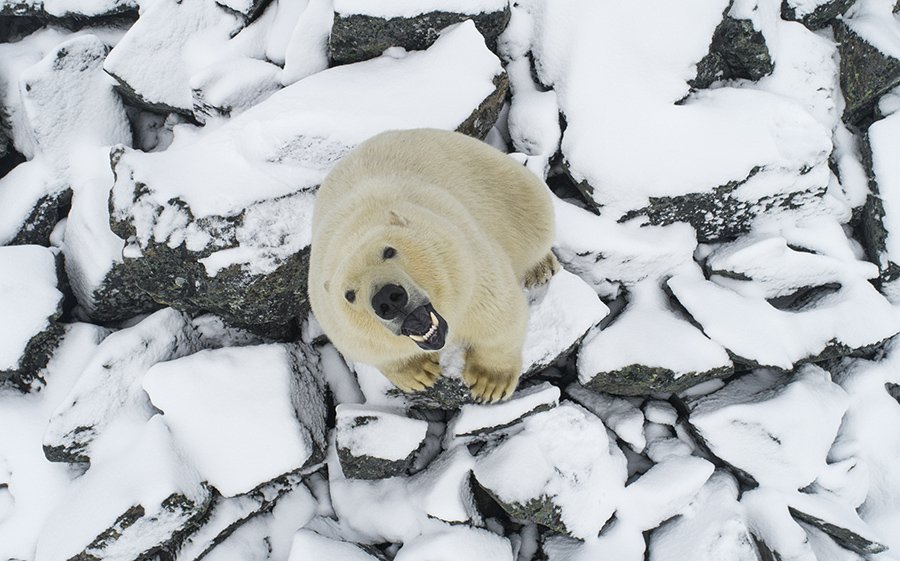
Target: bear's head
{"points": [[398, 278]]}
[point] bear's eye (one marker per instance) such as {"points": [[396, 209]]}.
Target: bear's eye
{"points": [[350, 296], [388, 252]]}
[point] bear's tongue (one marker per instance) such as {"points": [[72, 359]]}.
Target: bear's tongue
{"points": [[426, 327]]}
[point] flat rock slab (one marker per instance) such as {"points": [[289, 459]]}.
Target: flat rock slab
{"points": [[375, 442], [199, 239], [560, 471], [363, 30], [29, 293], [476, 422], [247, 415], [881, 214]]}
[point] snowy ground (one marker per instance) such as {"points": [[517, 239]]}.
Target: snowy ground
{"points": [[714, 375]]}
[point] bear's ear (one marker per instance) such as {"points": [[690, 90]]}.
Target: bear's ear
{"points": [[326, 285], [396, 220]]}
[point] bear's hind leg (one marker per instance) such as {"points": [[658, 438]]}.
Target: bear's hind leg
{"points": [[543, 271], [491, 374], [415, 374]]}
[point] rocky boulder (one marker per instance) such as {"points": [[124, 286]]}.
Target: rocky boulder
{"points": [[362, 30]]}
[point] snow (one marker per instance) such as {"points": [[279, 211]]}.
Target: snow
{"points": [[664, 152], [562, 455], [619, 414], [663, 336], [777, 429], [378, 432], [713, 527], [663, 491], [20, 190], [87, 8], [240, 430], [28, 293], [32, 486], [412, 8], [307, 49], [457, 543]]}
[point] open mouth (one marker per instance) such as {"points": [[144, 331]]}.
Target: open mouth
{"points": [[426, 327]]}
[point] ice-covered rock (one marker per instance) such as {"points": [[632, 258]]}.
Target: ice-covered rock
{"points": [[201, 240], [881, 217], [128, 506], [560, 471], [870, 56], [475, 422], [649, 339], [713, 527], [655, 168], [110, 385], [457, 543], [363, 30], [151, 62], [375, 442], [814, 14], [776, 429], [244, 415], [31, 303]]}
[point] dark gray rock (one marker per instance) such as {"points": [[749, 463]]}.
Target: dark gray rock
{"points": [[44, 216], [720, 214], [866, 74], [737, 50], [357, 37], [825, 13], [873, 219], [33, 274], [446, 394], [639, 379]]}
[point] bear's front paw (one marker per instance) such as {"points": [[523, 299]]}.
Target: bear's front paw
{"points": [[416, 375], [489, 386]]}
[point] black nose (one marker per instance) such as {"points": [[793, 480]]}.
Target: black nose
{"points": [[389, 301]]}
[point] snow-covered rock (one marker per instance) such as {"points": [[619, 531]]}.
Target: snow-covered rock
{"points": [[129, 505], [199, 239], [227, 88], [31, 198], [767, 322], [375, 443], [150, 62], [560, 471], [363, 30], [457, 543], [308, 544], [245, 415], [109, 387], [881, 217], [475, 422], [656, 168], [814, 14], [650, 339], [870, 56], [620, 415], [31, 303], [776, 429]]}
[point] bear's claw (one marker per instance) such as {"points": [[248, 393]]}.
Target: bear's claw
{"points": [[489, 387]]}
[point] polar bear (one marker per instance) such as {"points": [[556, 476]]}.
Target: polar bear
{"points": [[423, 239]]}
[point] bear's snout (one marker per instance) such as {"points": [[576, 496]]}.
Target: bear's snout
{"points": [[389, 301]]}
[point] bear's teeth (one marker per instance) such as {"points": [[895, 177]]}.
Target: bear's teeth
{"points": [[417, 338]]}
